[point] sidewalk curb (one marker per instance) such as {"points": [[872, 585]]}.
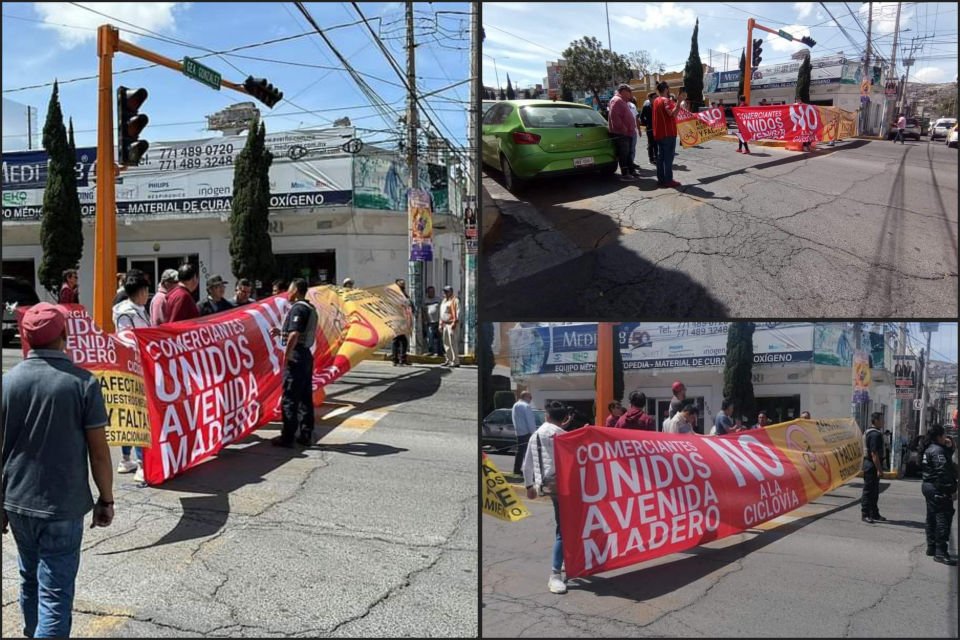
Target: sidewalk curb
{"points": [[423, 359]]}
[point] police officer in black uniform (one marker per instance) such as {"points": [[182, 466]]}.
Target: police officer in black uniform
{"points": [[298, 333], [872, 453], [939, 488]]}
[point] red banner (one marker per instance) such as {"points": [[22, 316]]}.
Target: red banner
{"points": [[790, 122], [213, 380], [113, 358], [630, 496]]}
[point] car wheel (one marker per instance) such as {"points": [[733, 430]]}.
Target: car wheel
{"points": [[513, 182]]}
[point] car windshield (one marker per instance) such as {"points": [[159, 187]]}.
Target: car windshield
{"points": [[945, 123], [560, 116]]}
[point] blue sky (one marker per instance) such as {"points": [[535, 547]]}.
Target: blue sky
{"points": [[37, 49], [943, 343], [523, 36]]}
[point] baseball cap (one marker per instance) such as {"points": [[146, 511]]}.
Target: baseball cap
{"points": [[43, 323], [677, 386], [448, 288], [169, 275], [214, 281]]}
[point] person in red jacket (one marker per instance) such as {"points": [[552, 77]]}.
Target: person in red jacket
{"points": [[622, 126], [636, 417], [180, 304], [616, 410], [69, 291]]}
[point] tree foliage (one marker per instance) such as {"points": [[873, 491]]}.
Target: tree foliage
{"points": [[641, 62], [743, 70], [61, 228], [511, 94], [503, 94], [693, 73], [803, 81], [251, 250], [590, 67], [738, 372], [566, 94]]}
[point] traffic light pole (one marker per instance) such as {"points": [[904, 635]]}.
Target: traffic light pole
{"points": [[748, 63], [105, 249]]}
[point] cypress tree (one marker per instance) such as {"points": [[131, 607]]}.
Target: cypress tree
{"points": [[803, 81], [61, 229], [251, 251], [738, 372], [511, 94], [693, 73], [743, 70]]}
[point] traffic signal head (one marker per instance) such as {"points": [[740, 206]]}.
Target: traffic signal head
{"points": [[263, 91], [756, 53], [129, 125], [807, 40]]}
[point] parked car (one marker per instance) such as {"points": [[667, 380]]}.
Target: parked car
{"points": [[942, 127], [497, 429], [952, 137], [912, 130], [527, 139], [15, 293]]}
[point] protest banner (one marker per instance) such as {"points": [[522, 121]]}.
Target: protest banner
{"points": [[694, 128], [186, 389], [499, 499], [116, 363], [789, 122], [630, 496], [905, 376], [839, 124]]}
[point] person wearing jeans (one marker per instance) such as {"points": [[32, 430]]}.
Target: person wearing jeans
{"points": [[665, 133], [622, 125], [539, 477], [54, 420]]}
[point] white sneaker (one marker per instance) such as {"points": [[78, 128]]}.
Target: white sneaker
{"points": [[556, 584], [138, 476], [127, 466]]}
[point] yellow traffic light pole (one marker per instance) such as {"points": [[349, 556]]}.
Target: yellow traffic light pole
{"points": [[105, 248], [748, 63]]}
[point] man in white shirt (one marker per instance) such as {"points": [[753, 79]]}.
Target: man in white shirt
{"points": [[539, 476], [449, 321], [431, 321], [683, 420], [524, 423]]}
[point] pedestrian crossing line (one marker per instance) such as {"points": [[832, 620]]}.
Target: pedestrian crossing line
{"points": [[354, 427]]}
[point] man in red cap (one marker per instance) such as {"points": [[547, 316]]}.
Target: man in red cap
{"points": [[679, 395], [53, 420]]}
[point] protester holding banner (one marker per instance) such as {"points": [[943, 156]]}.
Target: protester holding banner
{"points": [[636, 417], [131, 314], [401, 343], [741, 143], [872, 452], [940, 490], [53, 421], [69, 291], [278, 286], [539, 476], [180, 304], [762, 420], [298, 335], [168, 280], [242, 293], [723, 423], [215, 302], [665, 133], [683, 420]]}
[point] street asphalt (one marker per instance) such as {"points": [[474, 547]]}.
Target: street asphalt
{"points": [[371, 532], [819, 572], [864, 229]]}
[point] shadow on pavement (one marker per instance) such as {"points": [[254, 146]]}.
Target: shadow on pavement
{"points": [[362, 449], [234, 468], [653, 582], [824, 151]]}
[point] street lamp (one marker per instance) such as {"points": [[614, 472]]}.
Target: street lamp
{"points": [[495, 72]]}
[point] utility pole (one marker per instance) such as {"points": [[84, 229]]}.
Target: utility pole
{"points": [[856, 406], [924, 394], [613, 81], [891, 74], [473, 179], [899, 423], [414, 267], [866, 69]]}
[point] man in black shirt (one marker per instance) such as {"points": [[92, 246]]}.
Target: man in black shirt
{"points": [[299, 332], [939, 488], [215, 302], [872, 453]]}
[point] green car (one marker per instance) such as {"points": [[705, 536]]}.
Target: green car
{"points": [[530, 138]]}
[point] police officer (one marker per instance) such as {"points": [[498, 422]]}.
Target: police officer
{"points": [[939, 488], [872, 453], [298, 333]]}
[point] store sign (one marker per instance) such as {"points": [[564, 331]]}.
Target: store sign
{"points": [[651, 345], [309, 170], [905, 376], [785, 75]]}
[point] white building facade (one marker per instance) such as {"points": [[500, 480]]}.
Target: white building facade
{"points": [[797, 366], [338, 210]]}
